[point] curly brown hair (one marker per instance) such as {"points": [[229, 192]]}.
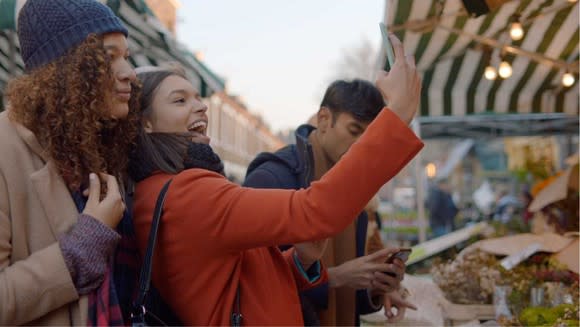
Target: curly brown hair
{"points": [[64, 104]]}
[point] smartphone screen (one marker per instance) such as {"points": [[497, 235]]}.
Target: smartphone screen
{"points": [[388, 47]]}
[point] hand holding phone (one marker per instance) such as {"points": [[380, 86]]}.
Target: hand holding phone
{"points": [[402, 254]]}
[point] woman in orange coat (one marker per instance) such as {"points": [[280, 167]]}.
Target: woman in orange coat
{"points": [[217, 237]]}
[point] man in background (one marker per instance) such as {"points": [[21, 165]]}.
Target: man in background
{"points": [[346, 110]]}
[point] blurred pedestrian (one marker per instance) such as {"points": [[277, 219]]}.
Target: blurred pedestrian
{"points": [[442, 209]]}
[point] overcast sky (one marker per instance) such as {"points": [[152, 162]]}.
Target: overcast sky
{"points": [[278, 56]]}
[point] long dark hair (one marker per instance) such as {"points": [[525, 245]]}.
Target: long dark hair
{"points": [[156, 151]]}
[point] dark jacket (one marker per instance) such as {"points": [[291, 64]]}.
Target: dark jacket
{"points": [[442, 209], [292, 167]]}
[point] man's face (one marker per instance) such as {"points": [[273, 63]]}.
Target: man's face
{"points": [[338, 134]]}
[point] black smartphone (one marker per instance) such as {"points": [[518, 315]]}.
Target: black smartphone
{"points": [[402, 254]]}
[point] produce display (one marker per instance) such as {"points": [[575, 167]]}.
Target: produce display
{"points": [[540, 291], [468, 279]]}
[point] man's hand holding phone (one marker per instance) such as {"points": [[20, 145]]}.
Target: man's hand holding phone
{"points": [[403, 255], [397, 262], [390, 277], [362, 272]]}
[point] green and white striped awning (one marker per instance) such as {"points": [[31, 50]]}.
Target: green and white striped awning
{"points": [[149, 41], [448, 46]]}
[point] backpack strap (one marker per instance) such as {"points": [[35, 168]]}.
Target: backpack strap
{"points": [[138, 311]]}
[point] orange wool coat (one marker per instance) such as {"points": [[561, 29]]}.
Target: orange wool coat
{"points": [[216, 235]]}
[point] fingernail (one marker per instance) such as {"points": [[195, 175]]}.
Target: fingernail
{"points": [[92, 176]]}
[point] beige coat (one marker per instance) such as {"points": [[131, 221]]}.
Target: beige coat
{"points": [[35, 207]]}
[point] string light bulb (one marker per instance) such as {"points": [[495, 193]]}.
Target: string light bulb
{"points": [[568, 79], [516, 28], [505, 69], [490, 73], [516, 31]]}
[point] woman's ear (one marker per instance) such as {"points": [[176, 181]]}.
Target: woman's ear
{"points": [[147, 126], [324, 117]]}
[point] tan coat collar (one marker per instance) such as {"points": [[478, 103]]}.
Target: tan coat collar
{"points": [[30, 139], [50, 187]]}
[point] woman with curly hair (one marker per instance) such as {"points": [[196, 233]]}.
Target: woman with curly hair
{"points": [[67, 129], [217, 254]]}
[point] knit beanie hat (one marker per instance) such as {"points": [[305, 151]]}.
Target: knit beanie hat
{"points": [[47, 29]]}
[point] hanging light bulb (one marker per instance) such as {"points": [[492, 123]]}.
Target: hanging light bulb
{"points": [[516, 31], [505, 69], [490, 73], [568, 79], [516, 28]]}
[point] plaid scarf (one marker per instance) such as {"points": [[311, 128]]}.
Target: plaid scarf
{"points": [[112, 301], [110, 304], [104, 308]]}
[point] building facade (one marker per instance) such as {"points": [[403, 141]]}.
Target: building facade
{"points": [[165, 11], [237, 135]]}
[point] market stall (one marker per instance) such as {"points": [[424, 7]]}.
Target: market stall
{"points": [[518, 280], [480, 82], [453, 49], [507, 277]]}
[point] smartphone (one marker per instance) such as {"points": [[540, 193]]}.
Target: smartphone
{"points": [[387, 43], [403, 254]]}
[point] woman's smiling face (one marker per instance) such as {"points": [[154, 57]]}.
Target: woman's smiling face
{"points": [[177, 108]]}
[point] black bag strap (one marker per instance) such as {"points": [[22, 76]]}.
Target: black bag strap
{"points": [[237, 313], [138, 311]]}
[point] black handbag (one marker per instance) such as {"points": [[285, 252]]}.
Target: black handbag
{"points": [[159, 313]]}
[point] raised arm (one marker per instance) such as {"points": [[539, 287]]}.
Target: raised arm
{"points": [[209, 210]]}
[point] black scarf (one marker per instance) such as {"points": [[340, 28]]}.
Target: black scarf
{"points": [[198, 155], [201, 155]]}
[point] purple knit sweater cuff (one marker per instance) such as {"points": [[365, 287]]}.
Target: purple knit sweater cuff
{"points": [[86, 249]]}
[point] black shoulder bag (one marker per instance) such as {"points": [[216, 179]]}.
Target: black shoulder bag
{"points": [[139, 313]]}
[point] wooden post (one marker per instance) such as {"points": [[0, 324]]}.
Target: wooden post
{"points": [[420, 187]]}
